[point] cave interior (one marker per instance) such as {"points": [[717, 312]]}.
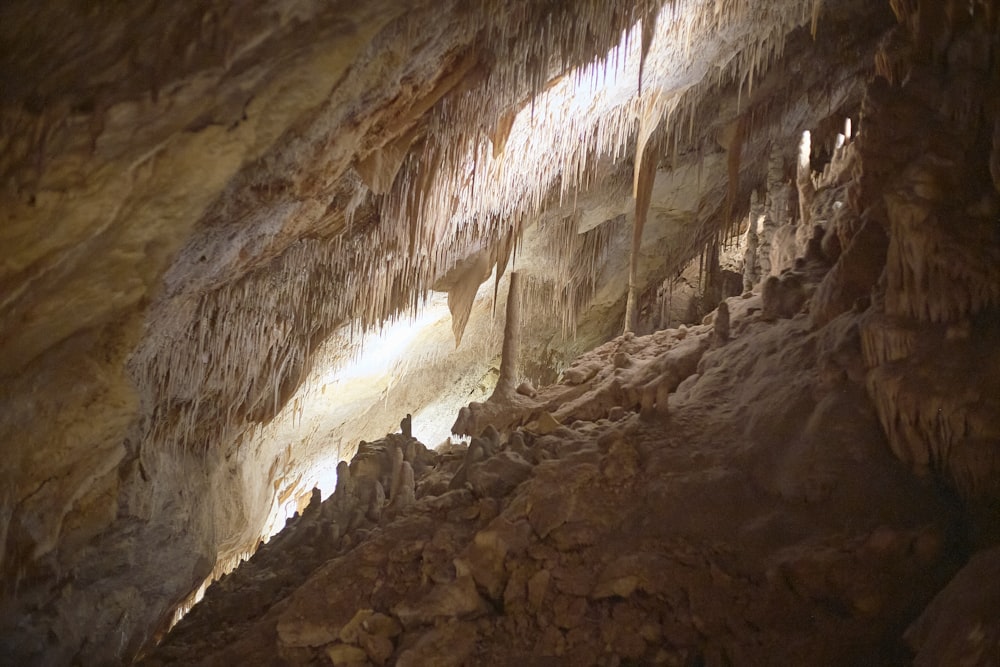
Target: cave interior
{"points": [[468, 332]]}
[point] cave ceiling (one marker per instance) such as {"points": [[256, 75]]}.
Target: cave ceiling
{"points": [[209, 208]]}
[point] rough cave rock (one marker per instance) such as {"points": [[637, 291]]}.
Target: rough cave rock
{"points": [[500, 332]]}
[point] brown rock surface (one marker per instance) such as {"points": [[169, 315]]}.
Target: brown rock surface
{"points": [[715, 541], [766, 521], [962, 625], [227, 234]]}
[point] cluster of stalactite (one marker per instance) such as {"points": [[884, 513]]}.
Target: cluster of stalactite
{"points": [[487, 161], [919, 242]]}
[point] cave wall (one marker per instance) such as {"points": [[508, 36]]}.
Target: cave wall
{"points": [[920, 239], [732, 492], [201, 200], [117, 144]]}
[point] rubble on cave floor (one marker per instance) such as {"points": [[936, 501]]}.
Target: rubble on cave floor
{"points": [[752, 513], [737, 492]]}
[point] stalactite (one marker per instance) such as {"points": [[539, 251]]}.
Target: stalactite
{"points": [[645, 175], [472, 181], [734, 158], [932, 25]]}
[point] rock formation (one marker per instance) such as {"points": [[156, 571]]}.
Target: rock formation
{"points": [[240, 242], [705, 540]]}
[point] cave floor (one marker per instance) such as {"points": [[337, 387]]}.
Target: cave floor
{"points": [[755, 515]]}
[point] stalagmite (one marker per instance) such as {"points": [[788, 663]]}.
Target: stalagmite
{"points": [[492, 438], [406, 492], [344, 499], [751, 267], [782, 297], [473, 455], [769, 224], [334, 214], [647, 401], [375, 500], [315, 499], [473, 177], [774, 205], [803, 180], [506, 384], [720, 327], [663, 389], [396, 472]]}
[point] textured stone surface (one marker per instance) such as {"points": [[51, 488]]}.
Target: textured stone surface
{"points": [[768, 497], [203, 204], [962, 625]]}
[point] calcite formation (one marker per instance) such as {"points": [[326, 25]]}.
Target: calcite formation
{"points": [[936, 307], [227, 235], [684, 497], [705, 534]]}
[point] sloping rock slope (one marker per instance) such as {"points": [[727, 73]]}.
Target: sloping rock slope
{"points": [[797, 480], [758, 518]]}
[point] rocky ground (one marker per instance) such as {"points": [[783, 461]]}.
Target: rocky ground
{"points": [[807, 477], [694, 496]]}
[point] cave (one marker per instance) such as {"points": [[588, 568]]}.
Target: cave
{"points": [[490, 332]]}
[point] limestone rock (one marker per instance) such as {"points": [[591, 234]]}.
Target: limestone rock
{"points": [[544, 424], [208, 211], [962, 625], [344, 655], [378, 647], [853, 276], [538, 587], [449, 645], [295, 632], [498, 475], [527, 389], [628, 537], [455, 600], [486, 555], [349, 633], [382, 625], [783, 296], [720, 326], [406, 492]]}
